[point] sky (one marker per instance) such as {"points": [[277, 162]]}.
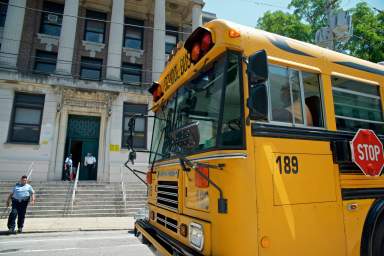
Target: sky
{"points": [[247, 12]]}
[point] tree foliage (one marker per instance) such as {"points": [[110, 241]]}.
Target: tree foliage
{"points": [[313, 12], [368, 34], [285, 24], [308, 16]]}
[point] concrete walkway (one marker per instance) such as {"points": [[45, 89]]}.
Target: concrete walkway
{"points": [[73, 224]]}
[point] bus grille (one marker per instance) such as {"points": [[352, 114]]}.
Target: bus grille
{"points": [[167, 195], [167, 222]]}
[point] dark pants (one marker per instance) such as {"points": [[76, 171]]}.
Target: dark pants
{"points": [[91, 169], [18, 210]]}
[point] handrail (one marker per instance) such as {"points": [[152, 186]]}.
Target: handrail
{"points": [[75, 186], [30, 170], [123, 189]]}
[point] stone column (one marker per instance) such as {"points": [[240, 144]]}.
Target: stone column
{"points": [[67, 38], [158, 56], [115, 44], [13, 29], [197, 16]]}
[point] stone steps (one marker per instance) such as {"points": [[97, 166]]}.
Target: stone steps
{"points": [[92, 199]]}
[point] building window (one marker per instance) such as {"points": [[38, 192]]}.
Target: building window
{"points": [[95, 27], [140, 131], [26, 118], [3, 11], [51, 18], [171, 38], [131, 74], [90, 68], [133, 33], [357, 105], [45, 62]]}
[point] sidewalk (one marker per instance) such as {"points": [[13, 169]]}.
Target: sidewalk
{"points": [[73, 224]]}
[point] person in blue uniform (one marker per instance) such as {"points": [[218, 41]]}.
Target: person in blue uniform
{"points": [[20, 196]]}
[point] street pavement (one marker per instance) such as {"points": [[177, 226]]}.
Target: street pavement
{"points": [[75, 243]]}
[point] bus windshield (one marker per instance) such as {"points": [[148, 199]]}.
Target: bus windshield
{"points": [[213, 99]]}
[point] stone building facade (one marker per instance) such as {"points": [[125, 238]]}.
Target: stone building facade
{"points": [[72, 72]]}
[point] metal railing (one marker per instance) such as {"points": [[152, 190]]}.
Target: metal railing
{"points": [[124, 193], [75, 186], [29, 171]]}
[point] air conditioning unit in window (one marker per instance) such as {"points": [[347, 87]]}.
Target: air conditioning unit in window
{"points": [[52, 18]]}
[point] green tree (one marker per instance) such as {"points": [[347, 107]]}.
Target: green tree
{"points": [[308, 16], [313, 12], [285, 24], [368, 33]]}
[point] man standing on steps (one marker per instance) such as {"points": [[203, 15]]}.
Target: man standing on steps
{"points": [[20, 196], [90, 164]]}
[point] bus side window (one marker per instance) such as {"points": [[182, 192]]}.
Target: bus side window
{"points": [[313, 100], [357, 105], [280, 94], [295, 97]]}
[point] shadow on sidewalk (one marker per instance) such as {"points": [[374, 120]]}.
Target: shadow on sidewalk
{"points": [[4, 233]]}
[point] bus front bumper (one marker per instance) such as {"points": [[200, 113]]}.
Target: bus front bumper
{"points": [[165, 244]]}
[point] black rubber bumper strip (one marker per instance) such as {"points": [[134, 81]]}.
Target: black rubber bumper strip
{"points": [[167, 241], [362, 193]]}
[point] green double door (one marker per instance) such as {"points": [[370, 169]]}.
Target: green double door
{"points": [[82, 138]]}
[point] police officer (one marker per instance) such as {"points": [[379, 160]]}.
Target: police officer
{"points": [[21, 194]]}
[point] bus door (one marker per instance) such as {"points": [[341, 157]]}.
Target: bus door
{"points": [[300, 211], [299, 201]]}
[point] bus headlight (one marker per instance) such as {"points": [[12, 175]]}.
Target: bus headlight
{"points": [[196, 235]]}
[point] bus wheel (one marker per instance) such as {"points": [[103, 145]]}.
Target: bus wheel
{"points": [[378, 238]]}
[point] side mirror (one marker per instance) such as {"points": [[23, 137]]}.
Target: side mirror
{"points": [[258, 68], [257, 77], [131, 129], [132, 157]]}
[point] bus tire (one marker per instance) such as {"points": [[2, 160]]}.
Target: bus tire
{"points": [[372, 239], [378, 238]]}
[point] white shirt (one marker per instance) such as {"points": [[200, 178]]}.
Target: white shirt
{"points": [[89, 160], [68, 161]]}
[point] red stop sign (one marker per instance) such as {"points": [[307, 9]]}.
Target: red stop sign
{"points": [[367, 152]]}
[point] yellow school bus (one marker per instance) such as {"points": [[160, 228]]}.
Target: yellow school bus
{"points": [[251, 154]]}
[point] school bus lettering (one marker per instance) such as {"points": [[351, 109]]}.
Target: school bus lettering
{"points": [[177, 71]]}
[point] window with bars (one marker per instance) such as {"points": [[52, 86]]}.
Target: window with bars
{"points": [[51, 18], [95, 26], [171, 38], [91, 68], [133, 33], [26, 119], [357, 105], [131, 74], [140, 130], [45, 62], [3, 11]]}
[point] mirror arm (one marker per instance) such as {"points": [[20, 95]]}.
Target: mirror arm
{"points": [[134, 171]]}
